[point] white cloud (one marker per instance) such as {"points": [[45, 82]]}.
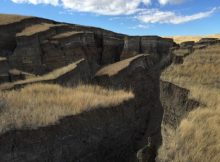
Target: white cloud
{"points": [[169, 17], [140, 26], [125, 7], [102, 7], [143, 26], [164, 2], [114, 18], [105, 7], [35, 2]]}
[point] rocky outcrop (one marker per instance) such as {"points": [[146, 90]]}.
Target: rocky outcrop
{"points": [[10, 75], [70, 75], [68, 47], [4, 67], [39, 46], [208, 41], [156, 46], [11, 25], [132, 47], [112, 49], [176, 103], [28, 54], [153, 45], [187, 44], [178, 59], [41, 49]]}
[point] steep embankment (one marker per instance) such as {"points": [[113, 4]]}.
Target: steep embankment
{"points": [[197, 136]]}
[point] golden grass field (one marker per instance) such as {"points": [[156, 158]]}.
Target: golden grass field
{"points": [[44, 104], [198, 137], [118, 66], [180, 39], [35, 29], [7, 19]]}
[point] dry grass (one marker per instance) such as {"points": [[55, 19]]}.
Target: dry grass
{"points": [[44, 104], [180, 39], [47, 77], [67, 34], [202, 68], [198, 137], [117, 67], [35, 29], [8, 19]]}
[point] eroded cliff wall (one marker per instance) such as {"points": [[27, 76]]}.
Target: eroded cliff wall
{"points": [[39, 46]]}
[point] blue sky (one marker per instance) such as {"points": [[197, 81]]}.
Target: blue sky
{"points": [[133, 17]]}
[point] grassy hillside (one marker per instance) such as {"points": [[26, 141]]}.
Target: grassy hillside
{"points": [[202, 68], [34, 106], [7, 19], [198, 137]]}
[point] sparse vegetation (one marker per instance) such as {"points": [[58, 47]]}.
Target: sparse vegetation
{"points": [[43, 104], [198, 137]]}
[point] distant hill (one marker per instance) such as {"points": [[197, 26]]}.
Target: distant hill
{"points": [[180, 39]]}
